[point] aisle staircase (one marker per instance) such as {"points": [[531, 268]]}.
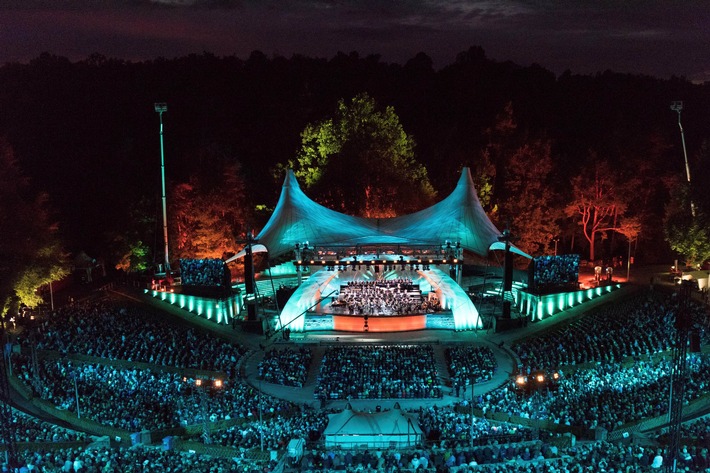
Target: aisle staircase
{"points": [[442, 368]]}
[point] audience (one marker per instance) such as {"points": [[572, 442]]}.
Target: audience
{"points": [[287, 366], [452, 426], [135, 399], [641, 325], [468, 364], [204, 272], [31, 429], [275, 431], [607, 393], [378, 372], [133, 460], [124, 331]]}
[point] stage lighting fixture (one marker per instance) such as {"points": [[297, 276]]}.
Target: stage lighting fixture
{"points": [[521, 380]]}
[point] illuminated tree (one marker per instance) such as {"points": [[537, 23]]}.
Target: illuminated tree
{"points": [[491, 168], [128, 247], [30, 253], [208, 214], [687, 235], [598, 202], [530, 205], [362, 162]]}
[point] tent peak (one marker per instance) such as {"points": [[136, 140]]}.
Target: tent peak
{"points": [[290, 179]]}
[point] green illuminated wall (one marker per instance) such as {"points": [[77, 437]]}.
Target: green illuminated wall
{"points": [[538, 307]]}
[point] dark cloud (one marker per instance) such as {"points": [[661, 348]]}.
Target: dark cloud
{"points": [[658, 38]]}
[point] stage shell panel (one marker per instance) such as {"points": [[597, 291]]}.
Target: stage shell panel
{"points": [[326, 284]]}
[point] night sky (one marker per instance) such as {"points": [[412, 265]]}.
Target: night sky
{"points": [[660, 38]]}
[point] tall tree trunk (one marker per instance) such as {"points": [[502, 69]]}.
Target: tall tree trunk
{"points": [[591, 246]]}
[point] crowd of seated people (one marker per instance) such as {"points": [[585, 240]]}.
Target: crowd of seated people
{"points": [[207, 272], [553, 272], [642, 325], [696, 431], [122, 331], [286, 366], [495, 457], [608, 395], [137, 399], [378, 372], [452, 427], [136, 459], [470, 363], [275, 431], [383, 297], [31, 429]]}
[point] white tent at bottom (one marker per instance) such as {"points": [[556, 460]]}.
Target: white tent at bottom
{"points": [[353, 429]]}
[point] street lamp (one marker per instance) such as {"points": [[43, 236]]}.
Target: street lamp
{"points": [[556, 240], [677, 106], [74, 375], [162, 108], [473, 422], [261, 420]]}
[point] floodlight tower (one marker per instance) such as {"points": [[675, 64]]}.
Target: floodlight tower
{"points": [[161, 108], [677, 106]]}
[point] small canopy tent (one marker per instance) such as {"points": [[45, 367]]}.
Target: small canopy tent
{"points": [[355, 429]]}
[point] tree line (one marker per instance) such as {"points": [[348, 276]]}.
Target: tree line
{"points": [[588, 161]]}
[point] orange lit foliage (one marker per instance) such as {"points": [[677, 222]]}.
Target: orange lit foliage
{"points": [[598, 202], [207, 215], [517, 186], [531, 202], [30, 251]]}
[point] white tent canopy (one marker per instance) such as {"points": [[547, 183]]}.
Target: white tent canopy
{"points": [[458, 218], [354, 429]]}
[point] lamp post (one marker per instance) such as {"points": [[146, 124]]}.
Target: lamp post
{"points": [[261, 421], [556, 240], [51, 296], [76, 394], [472, 418], [162, 108], [677, 106], [628, 262]]}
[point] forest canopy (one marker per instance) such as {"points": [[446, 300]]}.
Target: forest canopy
{"points": [[86, 135]]}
